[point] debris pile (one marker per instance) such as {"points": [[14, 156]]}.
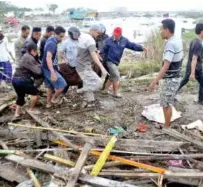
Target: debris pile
{"points": [[38, 151]]}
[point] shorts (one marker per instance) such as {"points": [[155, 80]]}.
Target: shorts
{"points": [[91, 81], [114, 74], [23, 87], [6, 71], [59, 84], [168, 90]]}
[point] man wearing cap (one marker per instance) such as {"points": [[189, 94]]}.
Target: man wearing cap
{"points": [[87, 55], [112, 52], [68, 54]]}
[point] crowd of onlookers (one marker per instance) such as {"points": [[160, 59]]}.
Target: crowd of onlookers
{"points": [[85, 58]]}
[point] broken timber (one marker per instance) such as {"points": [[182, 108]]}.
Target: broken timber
{"points": [[98, 181], [35, 164], [180, 136], [60, 172], [133, 145], [79, 165], [45, 124], [10, 173]]}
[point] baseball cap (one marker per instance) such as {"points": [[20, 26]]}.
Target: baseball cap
{"points": [[96, 27], [117, 31]]}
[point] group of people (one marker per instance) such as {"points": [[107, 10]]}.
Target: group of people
{"points": [[85, 58]]}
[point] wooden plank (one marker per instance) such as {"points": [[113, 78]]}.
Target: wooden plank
{"points": [[79, 165], [133, 145], [35, 164], [189, 178], [107, 165], [58, 135], [184, 180], [173, 172], [180, 136], [4, 107], [98, 181], [10, 173]]}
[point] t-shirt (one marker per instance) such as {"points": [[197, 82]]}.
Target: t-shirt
{"points": [[28, 68], [4, 55], [86, 46], [70, 48], [42, 45], [50, 46], [18, 46], [173, 53], [196, 49]]}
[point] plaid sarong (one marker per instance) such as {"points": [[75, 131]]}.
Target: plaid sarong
{"points": [[5, 71]]}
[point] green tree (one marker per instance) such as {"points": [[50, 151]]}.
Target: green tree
{"points": [[52, 7], [6, 7]]}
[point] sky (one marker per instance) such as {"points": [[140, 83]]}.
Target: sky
{"points": [[106, 5]]}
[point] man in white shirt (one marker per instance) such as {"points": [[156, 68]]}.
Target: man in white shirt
{"points": [[5, 65], [68, 53]]}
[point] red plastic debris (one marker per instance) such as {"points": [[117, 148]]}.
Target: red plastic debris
{"points": [[142, 127]]}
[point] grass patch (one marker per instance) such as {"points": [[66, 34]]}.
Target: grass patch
{"points": [[137, 69], [189, 35]]}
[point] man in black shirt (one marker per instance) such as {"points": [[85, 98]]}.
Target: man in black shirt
{"points": [[195, 58], [49, 33], [34, 39]]}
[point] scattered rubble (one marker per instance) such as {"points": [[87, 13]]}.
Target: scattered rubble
{"points": [[61, 149]]}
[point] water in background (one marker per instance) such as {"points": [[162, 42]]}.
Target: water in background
{"points": [[135, 29]]}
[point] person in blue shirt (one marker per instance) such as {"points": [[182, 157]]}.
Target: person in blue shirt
{"points": [[53, 80], [112, 52]]}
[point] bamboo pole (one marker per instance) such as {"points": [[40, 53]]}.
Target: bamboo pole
{"points": [[54, 129], [59, 160], [133, 163], [34, 179]]}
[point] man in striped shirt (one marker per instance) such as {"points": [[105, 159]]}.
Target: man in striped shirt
{"points": [[170, 71]]}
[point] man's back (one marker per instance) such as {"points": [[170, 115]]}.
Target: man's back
{"points": [[86, 45]]}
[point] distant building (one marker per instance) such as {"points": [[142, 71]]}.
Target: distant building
{"points": [[82, 13]]}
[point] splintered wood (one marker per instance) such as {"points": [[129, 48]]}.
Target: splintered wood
{"points": [[31, 149]]}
